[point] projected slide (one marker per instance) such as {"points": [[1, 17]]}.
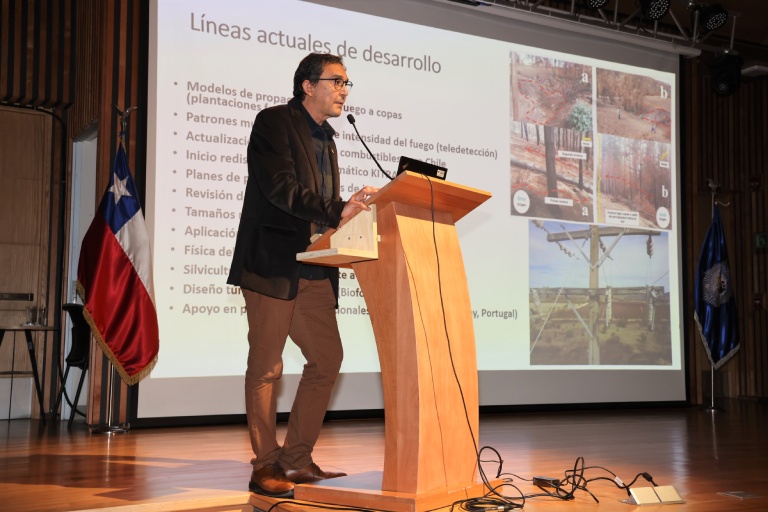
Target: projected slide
{"points": [[570, 146]]}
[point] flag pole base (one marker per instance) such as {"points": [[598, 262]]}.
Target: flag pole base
{"points": [[109, 430]]}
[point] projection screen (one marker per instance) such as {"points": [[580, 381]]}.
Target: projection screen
{"points": [[575, 136]]}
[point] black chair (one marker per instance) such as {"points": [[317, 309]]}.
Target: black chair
{"points": [[78, 357]]}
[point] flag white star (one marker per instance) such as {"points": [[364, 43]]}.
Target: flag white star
{"points": [[118, 188]]}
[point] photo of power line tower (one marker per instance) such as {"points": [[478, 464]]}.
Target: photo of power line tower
{"points": [[599, 295]]}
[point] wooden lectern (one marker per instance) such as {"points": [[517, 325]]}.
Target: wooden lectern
{"points": [[406, 256]]}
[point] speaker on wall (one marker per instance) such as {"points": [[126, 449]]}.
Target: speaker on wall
{"points": [[725, 73]]}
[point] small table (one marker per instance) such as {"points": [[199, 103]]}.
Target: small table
{"points": [[28, 329]]}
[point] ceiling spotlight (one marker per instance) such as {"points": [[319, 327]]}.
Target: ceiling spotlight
{"points": [[654, 10], [713, 17], [595, 4]]}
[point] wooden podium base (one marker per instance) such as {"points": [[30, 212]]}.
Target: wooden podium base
{"points": [[363, 490]]}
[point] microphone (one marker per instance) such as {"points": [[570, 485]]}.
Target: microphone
{"points": [[351, 120]]}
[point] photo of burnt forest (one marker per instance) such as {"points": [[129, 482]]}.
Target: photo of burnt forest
{"points": [[551, 92], [633, 106], [551, 172], [599, 295], [635, 183]]}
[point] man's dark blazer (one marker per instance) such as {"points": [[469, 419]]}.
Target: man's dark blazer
{"points": [[283, 203]]}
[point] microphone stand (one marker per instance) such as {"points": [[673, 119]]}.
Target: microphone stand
{"points": [[351, 120]]}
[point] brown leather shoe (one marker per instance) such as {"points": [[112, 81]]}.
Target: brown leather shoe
{"points": [[270, 480], [310, 473]]}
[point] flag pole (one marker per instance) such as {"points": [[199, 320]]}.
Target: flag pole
{"points": [[110, 428], [712, 408]]}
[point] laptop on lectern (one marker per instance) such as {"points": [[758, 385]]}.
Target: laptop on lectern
{"points": [[419, 167]]}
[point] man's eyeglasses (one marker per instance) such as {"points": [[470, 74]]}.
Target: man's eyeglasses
{"points": [[338, 83]]}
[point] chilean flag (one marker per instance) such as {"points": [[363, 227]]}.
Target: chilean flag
{"points": [[114, 278]]}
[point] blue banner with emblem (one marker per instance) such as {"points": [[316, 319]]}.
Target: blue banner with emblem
{"points": [[714, 302]]}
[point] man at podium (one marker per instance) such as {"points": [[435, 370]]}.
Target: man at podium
{"points": [[292, 194]]}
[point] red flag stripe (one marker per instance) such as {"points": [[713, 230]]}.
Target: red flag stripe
{"points": [[117, 303]]}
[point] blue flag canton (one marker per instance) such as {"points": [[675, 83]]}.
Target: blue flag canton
{"points": [[121, 201]]}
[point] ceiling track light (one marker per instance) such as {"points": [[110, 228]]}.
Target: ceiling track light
{"points": [[712, 17], [654, 10], [595, 4]]}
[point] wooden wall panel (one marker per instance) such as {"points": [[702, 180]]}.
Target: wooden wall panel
{"points": [[25, 197], [37, 52], [24, 194], [36, 62], [725, 140], [84, 112]]}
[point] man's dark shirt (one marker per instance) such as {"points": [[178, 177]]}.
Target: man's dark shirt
{"points": [[321, 137]]}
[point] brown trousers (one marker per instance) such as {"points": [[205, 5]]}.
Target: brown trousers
{"points": [[310, 320]]}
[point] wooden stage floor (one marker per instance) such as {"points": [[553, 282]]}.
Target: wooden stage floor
{"points": [[702, 454]]}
